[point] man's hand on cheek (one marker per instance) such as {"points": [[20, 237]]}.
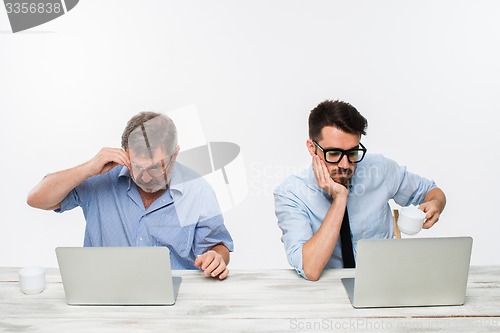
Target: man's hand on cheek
{"points": [[326, 182]]}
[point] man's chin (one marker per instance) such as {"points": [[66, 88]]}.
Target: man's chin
{"points": [[342, 180], [152, 189]]}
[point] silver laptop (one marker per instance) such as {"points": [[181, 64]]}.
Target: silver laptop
{"points": [[117, 275], [410, 272]]}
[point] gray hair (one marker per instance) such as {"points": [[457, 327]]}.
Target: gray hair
{"points": [[147, 131]]}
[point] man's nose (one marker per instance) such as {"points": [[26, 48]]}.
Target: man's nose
{"points": [[344, 162], [146, 177]]}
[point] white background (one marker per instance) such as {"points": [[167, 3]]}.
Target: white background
{"points": [[424, 73]]}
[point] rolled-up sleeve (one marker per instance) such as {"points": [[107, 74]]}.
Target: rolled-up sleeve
{"points": [[76, 197], [406, 188], [294, 221], [211, 232], [210, 229]]}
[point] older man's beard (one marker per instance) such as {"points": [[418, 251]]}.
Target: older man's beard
{"points": [[154, 185]]}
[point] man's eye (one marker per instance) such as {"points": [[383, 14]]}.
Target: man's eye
{"points": [[334, 153]]}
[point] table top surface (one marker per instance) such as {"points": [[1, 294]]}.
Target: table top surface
{"points": [[249, 300]]}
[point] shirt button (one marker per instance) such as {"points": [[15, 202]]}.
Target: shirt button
{"points": [[140, 238]]}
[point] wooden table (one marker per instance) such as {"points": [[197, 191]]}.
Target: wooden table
{"points": [[251, 301]]}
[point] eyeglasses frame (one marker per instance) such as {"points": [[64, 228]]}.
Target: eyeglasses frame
{"points": [[165, 168], [344, 152]]}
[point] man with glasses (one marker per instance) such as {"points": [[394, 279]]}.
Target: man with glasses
{"points": [[139, 196], [343, 197]]}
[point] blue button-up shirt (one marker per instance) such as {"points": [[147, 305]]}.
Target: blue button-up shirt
{"points": [[186, 218], [301, 205]]}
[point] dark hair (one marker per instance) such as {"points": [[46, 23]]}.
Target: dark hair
{"points": [[337, 114], [150, 130]]}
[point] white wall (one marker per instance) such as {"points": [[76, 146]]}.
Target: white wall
{"points": [[424, 73]]}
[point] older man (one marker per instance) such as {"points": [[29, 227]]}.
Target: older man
{"points": [[138, 195]]}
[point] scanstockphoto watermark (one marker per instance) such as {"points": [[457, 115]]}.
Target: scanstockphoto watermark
{"points": [[264, 178], [26, 14], [395, 324]]}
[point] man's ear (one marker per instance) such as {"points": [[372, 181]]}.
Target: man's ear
{"points": [[174, 157], [311, 147]]}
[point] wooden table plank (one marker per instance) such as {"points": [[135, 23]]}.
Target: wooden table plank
{"points": [[249, 300]]}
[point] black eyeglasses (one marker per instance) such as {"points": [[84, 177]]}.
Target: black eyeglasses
{"points": [[335, 155], [154, 170]]}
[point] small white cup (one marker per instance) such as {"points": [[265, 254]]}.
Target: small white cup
{"points": [[32, 279], [410, 220]]}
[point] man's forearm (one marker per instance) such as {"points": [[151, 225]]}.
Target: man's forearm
{"points": [[437, 195], [319, 248], [54, 187]]}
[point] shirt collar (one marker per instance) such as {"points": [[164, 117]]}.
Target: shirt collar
{"points": [[124, 175], [177, 180]]}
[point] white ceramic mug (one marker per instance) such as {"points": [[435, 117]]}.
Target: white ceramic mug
{"points": [[32, 279], [410, 220]]}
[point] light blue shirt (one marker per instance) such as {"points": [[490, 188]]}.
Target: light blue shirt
{"points": [[186, 218], [301, 205]]}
